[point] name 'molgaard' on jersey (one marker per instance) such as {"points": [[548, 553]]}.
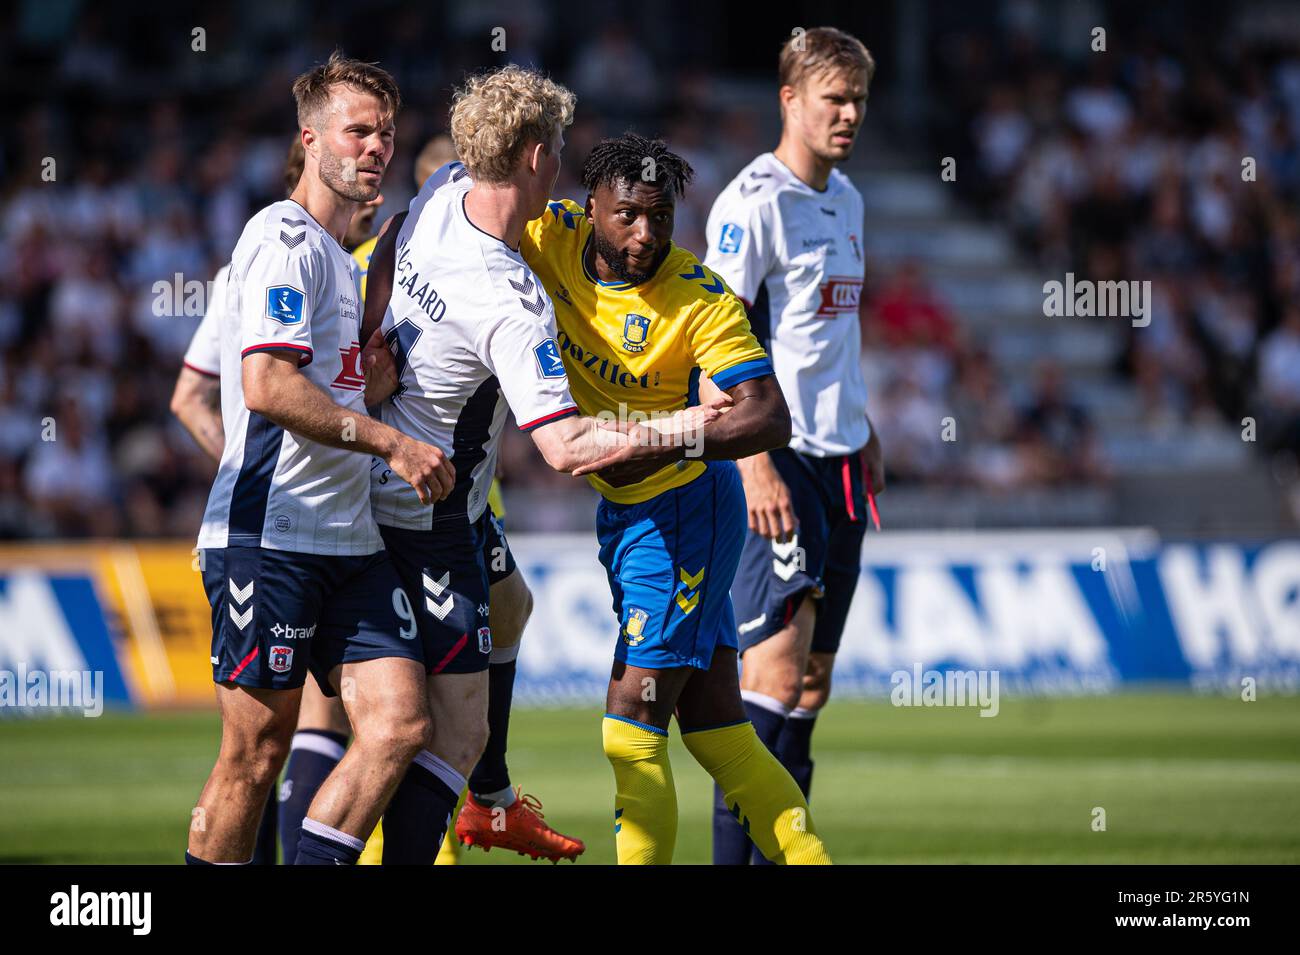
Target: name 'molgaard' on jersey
{"points": [[795, 256], [468, 321], [291, 287]]}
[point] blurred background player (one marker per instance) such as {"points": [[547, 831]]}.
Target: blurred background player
{"points": [[786, 235], [639, 317]]}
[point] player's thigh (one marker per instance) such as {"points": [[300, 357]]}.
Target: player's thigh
{"points": [[711, 697], [775, 666], [366, 615], [647, 695], [321, 712], [256, 724], [386, 703], [510, 605]]}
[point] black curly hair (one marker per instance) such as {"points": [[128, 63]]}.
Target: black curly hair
{"points": [[623, 159]]}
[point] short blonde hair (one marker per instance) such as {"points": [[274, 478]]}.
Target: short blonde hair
{"points": [[495, 115], [311, 90], [822, 50], [436, 153]]}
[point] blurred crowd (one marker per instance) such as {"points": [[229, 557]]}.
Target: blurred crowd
{"points": [[122, 194], [1173, 159]]}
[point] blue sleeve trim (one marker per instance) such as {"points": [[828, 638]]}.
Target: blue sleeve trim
{"points": [[644, 726], [742, 372]]}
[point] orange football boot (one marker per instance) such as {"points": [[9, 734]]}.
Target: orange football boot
{"points": [[520, 828]]}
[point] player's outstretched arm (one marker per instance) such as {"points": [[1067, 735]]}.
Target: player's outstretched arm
{"points": [[585, 445], [275, 389], [379, 278], [196, 401]]}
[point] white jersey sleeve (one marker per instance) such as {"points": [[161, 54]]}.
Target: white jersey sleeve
{"points": [[741, 241], [204, 352], [522, 352], [276, 311]]}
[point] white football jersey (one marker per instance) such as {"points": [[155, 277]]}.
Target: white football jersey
{"points": [[290, 287], [795, 256], [204, 352], [468, 321]]}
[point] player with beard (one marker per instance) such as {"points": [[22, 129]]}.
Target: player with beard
{"points": [[638, 319], [292, 560]]}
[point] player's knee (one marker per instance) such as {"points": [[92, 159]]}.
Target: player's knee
{"points": [[509, 629], [397, 737], [816, 684], [257, 760], [782, 683]]}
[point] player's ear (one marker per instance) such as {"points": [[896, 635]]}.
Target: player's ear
{"points": [[591, 216], [535, 157]]}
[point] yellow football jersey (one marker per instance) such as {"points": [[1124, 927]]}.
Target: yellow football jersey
{"points": [[638, 347], [361, 255]]}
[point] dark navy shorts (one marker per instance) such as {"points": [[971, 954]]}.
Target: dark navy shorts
{"points": [[277, 614], [822, 560], [445, 573]]}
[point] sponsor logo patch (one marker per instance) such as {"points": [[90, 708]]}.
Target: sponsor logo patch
{"points": [[732, 235], [284, 304], [549, 363]]}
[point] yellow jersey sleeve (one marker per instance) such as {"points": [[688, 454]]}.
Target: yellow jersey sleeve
{"points": [[723, 344], [361, 255], [555, 230]]}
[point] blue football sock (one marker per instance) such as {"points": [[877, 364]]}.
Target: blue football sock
{"points": [[418, 815], [265, 848], [730, 844], [491, 774], [194, 860], [312, 757], [320, 844]]}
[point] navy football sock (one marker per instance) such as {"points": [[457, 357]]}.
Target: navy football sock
{"points": [[794, 750], [265, 848], [418, 815], [194, 860], [312, 756], [491, 774], [319, 844], [730, 844]]}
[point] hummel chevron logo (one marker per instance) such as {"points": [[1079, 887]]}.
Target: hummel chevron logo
{"points": [[241, 595], [293, 222], [433, 589], [748, 191], [536, 306], [760, 175], [292, 241], [558, 210], [698, 274], [523, 288], [685, 599], [789, 558]]}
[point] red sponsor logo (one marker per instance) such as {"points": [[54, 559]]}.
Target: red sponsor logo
{"points": [[352, 377], [840, 296]]}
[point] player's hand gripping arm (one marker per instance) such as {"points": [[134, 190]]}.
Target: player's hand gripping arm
{"points": [[196, 401], [584, 445], [275, 389]]}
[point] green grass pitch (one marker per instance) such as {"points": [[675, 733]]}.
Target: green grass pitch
{"points": [[1182, 779]]}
